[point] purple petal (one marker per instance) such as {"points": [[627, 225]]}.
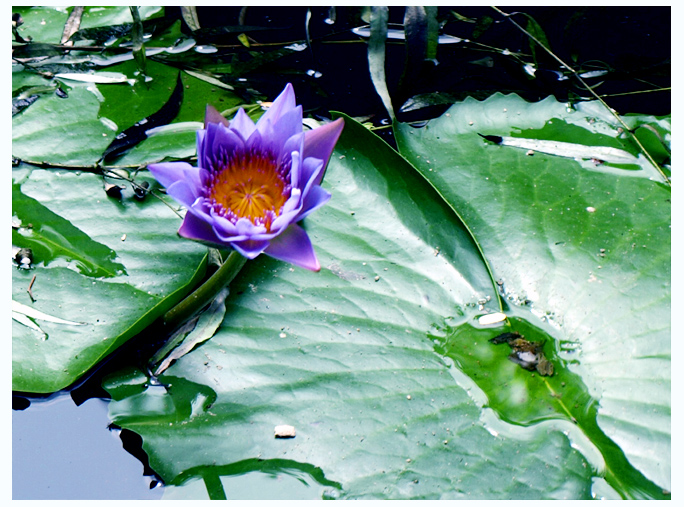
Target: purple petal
{"points": [[246, 227], [276, 135], [295, 169], [223, 228], [183, 193], [311, 168], [294, 246], [199, 230], [204, 177], [320, 142], [211, 115], [293, 202], [315, 198], [243, 124], [255, 142], [201, 136], [291, 210], [219, 144], [283, 103], [167, 173], [250, 248], [205, 139], [294, 143]]}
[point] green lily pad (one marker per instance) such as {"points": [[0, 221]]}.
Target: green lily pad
{"points": [[115, 265], [46, 23], [579, 243], [353, 357]]}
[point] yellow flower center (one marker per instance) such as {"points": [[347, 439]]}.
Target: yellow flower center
{"points": [[250, 186]]}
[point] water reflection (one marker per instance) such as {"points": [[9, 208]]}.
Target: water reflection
{"points": [[61, 451], [254, 479]]}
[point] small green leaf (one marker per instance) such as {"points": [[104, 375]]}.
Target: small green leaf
{"points": [[206, 326], [51, 237], [537, 32]]}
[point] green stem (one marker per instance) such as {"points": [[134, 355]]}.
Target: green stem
{"points": [[206, 292]]}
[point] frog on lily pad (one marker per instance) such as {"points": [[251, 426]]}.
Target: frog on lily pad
{"points": [[529, 355]]}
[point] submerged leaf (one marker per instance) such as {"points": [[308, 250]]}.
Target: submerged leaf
{"points": [[52, 238], [376, 55], [537, 32], [109, 33], [206, 326], [19, 104]]}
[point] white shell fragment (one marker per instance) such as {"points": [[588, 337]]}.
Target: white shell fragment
{"points": [[284, 431], [491, 318]]}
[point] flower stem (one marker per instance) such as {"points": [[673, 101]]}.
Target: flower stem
{"points": [[206, 292]]}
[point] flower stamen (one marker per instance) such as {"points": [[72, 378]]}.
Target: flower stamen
{"points": [[251, 185]]}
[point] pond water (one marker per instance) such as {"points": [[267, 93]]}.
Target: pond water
{"points": [[64, 452]]}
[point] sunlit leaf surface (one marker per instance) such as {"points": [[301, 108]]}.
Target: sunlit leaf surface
{"points": [[581, 243], [375, 361]]}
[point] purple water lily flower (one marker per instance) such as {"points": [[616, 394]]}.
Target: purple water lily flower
{"points": [[253, 182]]}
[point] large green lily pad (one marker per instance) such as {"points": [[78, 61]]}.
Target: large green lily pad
{"points": [[379, 362], [579, 242]]}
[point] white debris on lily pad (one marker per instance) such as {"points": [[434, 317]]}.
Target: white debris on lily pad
{"points": [[285, 431], [18, 308], [209, 79], [491, 318], [364, 31], [297, 46], [23, 319], [98, 77], [572, 150]]}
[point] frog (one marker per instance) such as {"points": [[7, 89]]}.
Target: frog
{"points": [[528, 355]]}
